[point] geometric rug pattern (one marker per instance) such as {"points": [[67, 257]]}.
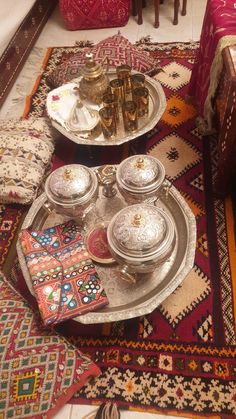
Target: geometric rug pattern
{"points": [[39, 370], [181, 358]]}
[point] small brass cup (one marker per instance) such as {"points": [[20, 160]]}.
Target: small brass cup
{"points": [[137, 80], [109, 100], [130, 116], [141, 98], [117, 89], [123, 73], [108, 122]]}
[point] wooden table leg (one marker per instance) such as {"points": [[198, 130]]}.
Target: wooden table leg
{"points": [[184, 8], [176, 12], [156, 6], [140, 11], [134, 7]]}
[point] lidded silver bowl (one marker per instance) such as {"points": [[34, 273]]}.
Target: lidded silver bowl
{"points": [[139, 178], [72, 190], [140, 237]]}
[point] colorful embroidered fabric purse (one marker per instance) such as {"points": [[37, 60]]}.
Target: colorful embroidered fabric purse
{"points": [[64, 279]]}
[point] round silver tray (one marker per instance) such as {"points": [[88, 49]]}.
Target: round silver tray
{"points": [[157, 106], [127, 300]]}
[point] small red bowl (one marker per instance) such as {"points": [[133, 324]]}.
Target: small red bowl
{"points": [[97, 245]]}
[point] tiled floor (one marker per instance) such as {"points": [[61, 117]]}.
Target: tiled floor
{"points": [[188, 29]]}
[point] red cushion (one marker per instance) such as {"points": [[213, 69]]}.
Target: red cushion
{"points": [[116, 48], [40, 370], [85, 14]]}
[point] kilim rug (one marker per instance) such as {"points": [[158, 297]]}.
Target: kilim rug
{"points": [[180, 359]]}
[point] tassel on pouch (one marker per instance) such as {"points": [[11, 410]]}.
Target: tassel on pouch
{"points": [[105, 411]]}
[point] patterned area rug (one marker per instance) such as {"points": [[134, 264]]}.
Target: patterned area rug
{"points": [[180, 359]]}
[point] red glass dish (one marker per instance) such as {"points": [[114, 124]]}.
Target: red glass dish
{"points": [[97, 245]]}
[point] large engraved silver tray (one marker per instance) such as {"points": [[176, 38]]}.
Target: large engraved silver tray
{"points": [[127, 300], [157, 106]]}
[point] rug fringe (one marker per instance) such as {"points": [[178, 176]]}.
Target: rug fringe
{"points": [[146, 43], [84, 44], [14, 104]]}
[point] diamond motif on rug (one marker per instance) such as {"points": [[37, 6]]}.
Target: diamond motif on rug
{"points": [[176, 154], [197, 182], [196, 208], [26, 385], [174, 76], [204, 329], [196, 133], [202, 245], [178, 111], [145, 328], [186, 297]]}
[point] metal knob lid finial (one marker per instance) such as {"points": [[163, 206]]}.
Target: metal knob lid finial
{"points": [[137, 220], [68, 174], [89, 56], [140, 163]]}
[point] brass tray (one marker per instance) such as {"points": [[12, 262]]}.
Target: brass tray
{"points": [[157, 106], [128, 300]]}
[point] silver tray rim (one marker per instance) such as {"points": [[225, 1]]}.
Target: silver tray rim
{"points": [[148, 305], [76, 138]]}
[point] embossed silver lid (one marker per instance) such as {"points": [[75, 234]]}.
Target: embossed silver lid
{"points": [[140, 174], [71, 184], [141, 231]]}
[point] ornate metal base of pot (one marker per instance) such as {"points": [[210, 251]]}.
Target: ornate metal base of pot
{"points": [[128, 300]]}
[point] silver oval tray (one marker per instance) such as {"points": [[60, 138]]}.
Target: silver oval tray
{"points": [[127, 300], [157, 106]]}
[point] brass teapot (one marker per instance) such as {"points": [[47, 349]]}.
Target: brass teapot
{"points": [[94, 82]]}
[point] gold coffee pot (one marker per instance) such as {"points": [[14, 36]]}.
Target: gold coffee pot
{"points": [[94, 82]]}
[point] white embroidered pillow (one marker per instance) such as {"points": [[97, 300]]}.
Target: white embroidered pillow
{"points": [[26, 149]]}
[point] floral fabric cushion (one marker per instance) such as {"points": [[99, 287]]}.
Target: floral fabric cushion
{"points": [[26, 149], [116, 48], [39, 370]]}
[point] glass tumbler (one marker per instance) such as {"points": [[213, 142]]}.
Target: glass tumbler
{"points": [[123, 73], [117, 89], [109, 100], [130, 116], [108, 122], [141, 98], [137, 80]]}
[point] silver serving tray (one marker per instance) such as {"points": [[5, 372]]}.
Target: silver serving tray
{"points": [[127, 300], [157, 106]]}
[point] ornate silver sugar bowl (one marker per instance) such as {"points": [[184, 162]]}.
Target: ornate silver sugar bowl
{"points": [[140, 237], [140, 178], [72, 190]]}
